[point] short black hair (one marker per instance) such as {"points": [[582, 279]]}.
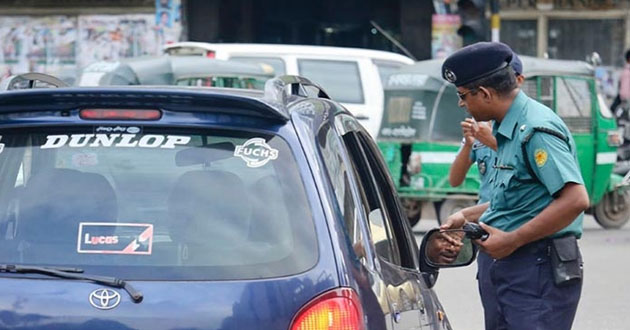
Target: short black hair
{"points": [[502, 81], [628, 55]]}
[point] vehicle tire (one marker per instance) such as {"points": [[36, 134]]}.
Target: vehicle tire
{"points": [[450, 206], [413, 210], [612, 212]]}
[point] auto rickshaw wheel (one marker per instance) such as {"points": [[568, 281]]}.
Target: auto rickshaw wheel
{"points": [[613, 211], [413, 210], [449, 206]]}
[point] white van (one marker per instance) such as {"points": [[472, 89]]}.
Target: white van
{"points": [[351, 76]]}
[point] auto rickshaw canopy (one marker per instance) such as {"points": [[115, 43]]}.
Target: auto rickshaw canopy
{"points": [[169, 70], [421, 106]]}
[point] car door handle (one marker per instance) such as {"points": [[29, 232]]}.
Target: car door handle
{"points": [[362, 117]]}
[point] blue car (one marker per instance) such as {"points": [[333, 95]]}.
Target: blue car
{"points": [[188, 208]]}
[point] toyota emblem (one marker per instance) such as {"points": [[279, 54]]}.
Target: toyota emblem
{"points": [[104, 298]]}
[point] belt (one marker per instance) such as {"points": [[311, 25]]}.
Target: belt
{"points": [[542, 246]]}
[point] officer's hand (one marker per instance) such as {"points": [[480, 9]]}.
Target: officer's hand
{"points": [[454, 221], [484, 135], [499, 244], [467, 131]]}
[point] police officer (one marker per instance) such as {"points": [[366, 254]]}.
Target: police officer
{"points": [[535, 212], [479, 146]]}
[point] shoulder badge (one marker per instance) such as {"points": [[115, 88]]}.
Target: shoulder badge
{"points": [[540, 155]]}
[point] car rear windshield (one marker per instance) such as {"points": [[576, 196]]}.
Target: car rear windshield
{"points": [[154, 203]]}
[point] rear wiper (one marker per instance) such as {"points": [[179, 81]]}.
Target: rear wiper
{"points": [[73, 274]]}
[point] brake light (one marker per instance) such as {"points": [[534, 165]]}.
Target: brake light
{"points": [[120, 114], [210, 54], [339, 309]]}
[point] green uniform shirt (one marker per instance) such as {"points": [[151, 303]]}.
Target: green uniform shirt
{"points": [[517, 197], [484, 157]]}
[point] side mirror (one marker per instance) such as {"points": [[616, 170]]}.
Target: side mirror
{"points": [[446, 249]]}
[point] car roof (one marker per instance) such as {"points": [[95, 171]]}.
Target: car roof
{"points": [[269, 49], [274, 103], [177, 98]]}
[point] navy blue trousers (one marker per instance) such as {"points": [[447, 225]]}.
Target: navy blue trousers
{"points": [[518, 292]]}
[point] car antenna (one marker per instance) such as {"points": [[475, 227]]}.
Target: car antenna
{"points": [[393, 40]]}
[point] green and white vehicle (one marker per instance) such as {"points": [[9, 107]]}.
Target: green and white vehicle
{"points": [[420, 136]]}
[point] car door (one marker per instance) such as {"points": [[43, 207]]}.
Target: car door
{"points": [[394, 250]]}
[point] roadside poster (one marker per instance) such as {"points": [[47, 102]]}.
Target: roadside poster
{"points": [[168, 20], [112, 37], [444, 37], [37, 43]]}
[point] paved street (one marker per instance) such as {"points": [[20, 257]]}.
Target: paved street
{"points": [[605, 296]]}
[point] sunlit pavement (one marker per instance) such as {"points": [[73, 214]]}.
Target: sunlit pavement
{"points": [[605, 302]]}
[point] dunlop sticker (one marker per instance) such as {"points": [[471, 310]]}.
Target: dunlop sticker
{"points": [[114, 140]]}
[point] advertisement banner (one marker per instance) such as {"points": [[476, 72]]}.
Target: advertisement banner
{"points": [[444, 37]]}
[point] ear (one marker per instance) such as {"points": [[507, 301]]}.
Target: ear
{"points": [[486, 94]]}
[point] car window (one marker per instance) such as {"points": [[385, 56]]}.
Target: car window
{"points": [[278, 65], [573, 97], [385, 68], [154, 203], [219, 81], [444, 124], [392, 206], [340, 79], [546, 91], [573, 103], [603, 107], [380, 228], [529, 87], [338, 172]]}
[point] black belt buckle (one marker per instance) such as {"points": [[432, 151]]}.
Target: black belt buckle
{"points": [[566, 260]]}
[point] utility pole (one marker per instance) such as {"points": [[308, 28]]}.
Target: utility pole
{"points": [[495, 20]]}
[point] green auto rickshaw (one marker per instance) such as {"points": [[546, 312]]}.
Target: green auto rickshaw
{"points": [[176, 70], [420, 136]]}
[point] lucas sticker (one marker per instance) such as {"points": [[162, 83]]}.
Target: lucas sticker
{"points": [[114, 140], [115, 238], [256, 152]]}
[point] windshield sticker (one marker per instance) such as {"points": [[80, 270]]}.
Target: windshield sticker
{"points": [[80, 160], [256, 152], [115, 238], [114, 140], [118, 129]]}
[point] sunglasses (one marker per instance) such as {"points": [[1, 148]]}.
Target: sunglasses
{"points": [[462, 96]]}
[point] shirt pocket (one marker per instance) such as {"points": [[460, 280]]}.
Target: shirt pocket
{"points": [[507, 188]]}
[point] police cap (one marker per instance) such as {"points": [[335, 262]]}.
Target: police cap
{"points": [[476, 61], [517, 65]]}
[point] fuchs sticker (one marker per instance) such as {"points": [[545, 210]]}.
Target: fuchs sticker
{"points": [[256, 152], [118, 140], [115, 238]]}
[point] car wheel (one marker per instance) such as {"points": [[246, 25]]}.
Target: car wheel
{"points": [[613, 211], [413, 210], [450, 206]]}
